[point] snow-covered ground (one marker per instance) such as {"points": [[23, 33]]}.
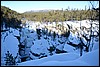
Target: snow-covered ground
{"points": [[56, 57], [43, 51], [66, 59]]}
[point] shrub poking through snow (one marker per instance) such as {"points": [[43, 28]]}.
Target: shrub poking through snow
{"points": [[60, 51], [38, 33], [54, 35], [51, 49]]}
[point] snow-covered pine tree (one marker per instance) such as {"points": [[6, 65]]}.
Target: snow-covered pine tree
{"points": [[10, 60]]}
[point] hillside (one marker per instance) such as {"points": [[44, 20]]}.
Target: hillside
{"points": [[9, 18]]}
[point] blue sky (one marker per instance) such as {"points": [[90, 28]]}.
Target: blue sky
{"points": [[22, 6]]}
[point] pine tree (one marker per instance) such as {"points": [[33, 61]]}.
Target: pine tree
{"points": [[10, 60]]}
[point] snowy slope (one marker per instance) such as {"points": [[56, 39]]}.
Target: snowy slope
{"points": [[91, 58], [69, 59], [56, 57], [64, 63], [30, 39]]}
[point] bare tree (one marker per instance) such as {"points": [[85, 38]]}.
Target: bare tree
{"points": [[93, 5]]}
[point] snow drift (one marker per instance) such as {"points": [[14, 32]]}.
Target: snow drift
{"points": [[88, 59]]}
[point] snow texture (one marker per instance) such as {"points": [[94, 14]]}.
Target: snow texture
{"points": [[72, 58]]}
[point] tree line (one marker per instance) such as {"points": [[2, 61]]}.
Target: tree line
{"points": [[11, 18], [62, 15]]}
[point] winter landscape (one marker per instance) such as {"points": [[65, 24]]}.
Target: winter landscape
{"points": [[26, 42]]}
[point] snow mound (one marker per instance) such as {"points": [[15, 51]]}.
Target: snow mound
{"points": [[58, 57], [69, 48], [10, 44], [40, 46]]}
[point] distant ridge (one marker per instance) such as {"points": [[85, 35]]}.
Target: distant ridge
{"points": [[44, 10]]}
